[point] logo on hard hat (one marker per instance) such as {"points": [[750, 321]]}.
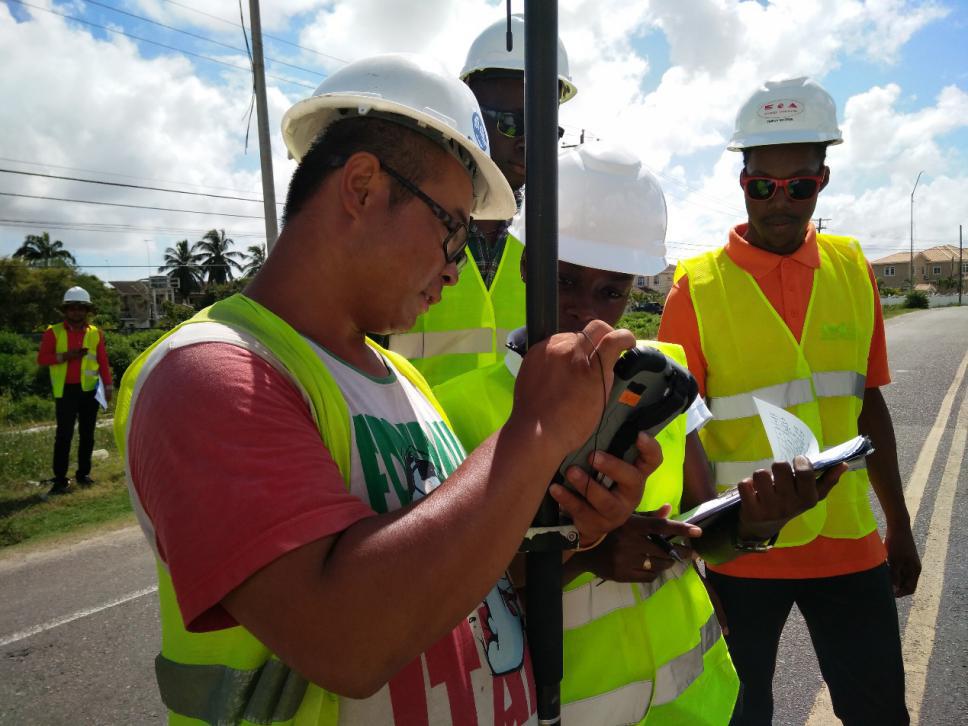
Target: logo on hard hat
{"points": [[480, 133], [783, 109]]}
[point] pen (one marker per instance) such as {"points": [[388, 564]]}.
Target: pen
{"points": [[665, 545]]}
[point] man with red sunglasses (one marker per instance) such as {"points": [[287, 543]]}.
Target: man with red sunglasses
{"points": [[793, 317]]}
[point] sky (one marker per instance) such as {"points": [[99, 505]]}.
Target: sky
{"points": [[157, 93]]}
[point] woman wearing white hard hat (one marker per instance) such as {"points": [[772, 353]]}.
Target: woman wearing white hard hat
{"points": [[625, 645], [73, 351]]}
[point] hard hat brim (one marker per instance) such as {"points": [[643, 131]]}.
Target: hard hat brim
{"points": [[493, 198], [748, 141]]}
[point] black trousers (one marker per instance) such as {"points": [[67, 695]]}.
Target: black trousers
{"points": [[853, 625], [80, 407]]}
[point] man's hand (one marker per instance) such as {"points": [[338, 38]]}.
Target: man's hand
{"points": [[903, 559], [597, 510], [108, 392], [73, 353], [771, 499], [627, 555], [564, 383]]}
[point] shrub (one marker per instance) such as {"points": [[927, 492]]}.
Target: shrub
{"points": [[16, 374], [29, 409], [916, 299], [14, 344]]}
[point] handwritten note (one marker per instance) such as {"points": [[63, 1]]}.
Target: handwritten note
{"points": [[789, 436]]}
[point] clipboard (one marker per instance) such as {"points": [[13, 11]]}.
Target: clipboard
{"points": [[852, 452]]}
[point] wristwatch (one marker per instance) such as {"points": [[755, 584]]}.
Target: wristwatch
{"points": [[751, 544]]}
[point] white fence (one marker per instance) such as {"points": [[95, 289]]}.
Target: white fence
{"points": [[935, 301]]}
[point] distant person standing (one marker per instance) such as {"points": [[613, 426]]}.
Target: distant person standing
{"points": [[74, 351]]}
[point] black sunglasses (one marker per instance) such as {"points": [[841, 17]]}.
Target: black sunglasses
{"points": [[510, 123], [455, 243], [797, 189]]}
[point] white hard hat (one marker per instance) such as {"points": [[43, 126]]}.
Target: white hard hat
{"points": [[611, 211], [795, 111], [489, 51], [414, 89], [76, 295]]}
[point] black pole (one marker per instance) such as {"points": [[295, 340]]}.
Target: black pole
{"points": [[961, 267], [541, 227]]}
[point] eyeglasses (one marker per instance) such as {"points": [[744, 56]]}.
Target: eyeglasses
{"points": [[797, 189], [458, 232], [510, 123]]}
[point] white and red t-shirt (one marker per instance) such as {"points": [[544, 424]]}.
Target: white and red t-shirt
{"points": [[228, 465]]}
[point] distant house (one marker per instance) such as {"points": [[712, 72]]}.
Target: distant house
{"points": [[930, 266], [661, 282], [141, 300]]}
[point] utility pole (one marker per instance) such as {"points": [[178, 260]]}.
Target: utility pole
{"points": [[541, 226], [961, 267], [820, 221], [262, 119], [912, 227]]}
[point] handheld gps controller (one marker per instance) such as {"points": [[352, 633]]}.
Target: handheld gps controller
{"points": [[650, 390]]}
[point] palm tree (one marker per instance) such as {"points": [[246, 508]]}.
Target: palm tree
{"points": [[182, 264], [256, 259], [39, 251], [217, 259]]}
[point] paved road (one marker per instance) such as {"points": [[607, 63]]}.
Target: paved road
{"points": [[78, 624]]}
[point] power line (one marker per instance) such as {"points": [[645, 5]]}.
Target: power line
{"points": [[160, 45], [128, 186], [128, 206], [103, 227], [265, 35], [195, 35], [125, 176]]}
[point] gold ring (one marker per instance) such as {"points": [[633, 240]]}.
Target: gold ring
{"points": [[647, 563]]}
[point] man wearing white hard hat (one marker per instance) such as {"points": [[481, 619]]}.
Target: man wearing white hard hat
{"points": [[785, 314], [325, 553], [74, 352], [467, 330], [642, 643]]}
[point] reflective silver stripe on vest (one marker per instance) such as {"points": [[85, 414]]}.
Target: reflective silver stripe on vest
{"points": [[218, 694], [831, 384], [598, 598], [826, 384], [628, 704], [741, 405], [728, 473], [679, 673], [442, 342]]}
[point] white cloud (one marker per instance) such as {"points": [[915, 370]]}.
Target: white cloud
{"points": [[101, 105]]}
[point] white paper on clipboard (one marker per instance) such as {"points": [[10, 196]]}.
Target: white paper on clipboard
{"points": [[789, 436]]}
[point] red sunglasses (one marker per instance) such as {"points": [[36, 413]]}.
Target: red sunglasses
{"points": [[797, 189]]}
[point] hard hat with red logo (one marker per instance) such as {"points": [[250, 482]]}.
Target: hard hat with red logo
{"points": [[794, 111], [611, 211], [416, 92], [489, 53]]}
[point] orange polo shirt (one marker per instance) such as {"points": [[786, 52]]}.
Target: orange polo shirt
{"points": [[786, 281]]}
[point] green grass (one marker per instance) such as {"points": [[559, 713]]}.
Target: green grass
{"points": [[24, 515], [892, 311], [645, 326]]}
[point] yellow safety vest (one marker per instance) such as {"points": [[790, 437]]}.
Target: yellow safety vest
{"points": [[228, 676], [463, 331], [750, 352], [644, 653], [89, 364]]}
